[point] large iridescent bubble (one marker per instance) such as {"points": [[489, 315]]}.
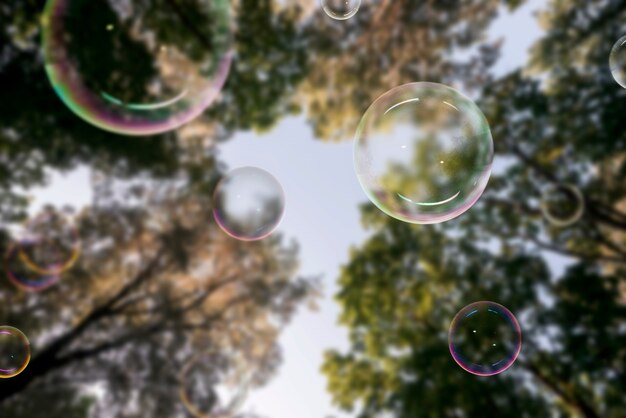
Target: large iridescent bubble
{"points": [[248, 203], [485, 338], [423, 153], [14, 352], [137, 67]]}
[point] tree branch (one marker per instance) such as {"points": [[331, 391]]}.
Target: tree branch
{"points": [[199, 300], [573, 401], [47, 360], [517, 206], [569, 253], [203, 325]]}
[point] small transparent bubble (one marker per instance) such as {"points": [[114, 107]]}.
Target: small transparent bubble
{"points": [[423, 153], [248, 203], [211, 387], [137, 68], [341, 9], [485, 338], [617, 61], [14, 352], [562, 204]]}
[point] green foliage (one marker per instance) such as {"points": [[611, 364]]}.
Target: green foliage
{"points": [[399, 293], [389, 43], [271, 59], [558, 121]]}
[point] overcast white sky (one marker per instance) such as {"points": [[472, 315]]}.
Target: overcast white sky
{"points": [[322, 198]]}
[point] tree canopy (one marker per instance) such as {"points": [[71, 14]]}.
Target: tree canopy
{"points": [[156, 282]]}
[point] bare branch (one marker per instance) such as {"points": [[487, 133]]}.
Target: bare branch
{"points": [[559, 250]]}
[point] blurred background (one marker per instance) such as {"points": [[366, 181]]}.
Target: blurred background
{"points": [[344, 311]]}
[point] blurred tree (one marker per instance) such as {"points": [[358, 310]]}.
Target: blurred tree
{"points": [[157, 282], [558, 121]]}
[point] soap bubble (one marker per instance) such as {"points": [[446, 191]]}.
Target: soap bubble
{"points": [[14, 352], [423, 153], [617, 61], [562, 204], [49, 243], [341, 9], [22, 275], [211, 388], [485, 338], [248, 203], [137, 67]]}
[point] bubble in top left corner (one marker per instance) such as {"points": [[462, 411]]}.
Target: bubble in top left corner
{"points": [[137, 67]]}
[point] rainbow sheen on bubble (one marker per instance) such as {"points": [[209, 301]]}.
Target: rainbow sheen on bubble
{"points": [[485, 338], [248, 203], [210, 387], [48, 246], [617, 61], [137, 67], [341, 9], [49, 243], [14, 352], [562, 204], [423, 153], [22, 275]]}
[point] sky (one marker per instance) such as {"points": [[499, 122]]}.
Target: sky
{"points": [[323, 195], [322, 199]]}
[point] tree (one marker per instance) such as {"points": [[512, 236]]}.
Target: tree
{"points": [[555, 122], [156, 283]]}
